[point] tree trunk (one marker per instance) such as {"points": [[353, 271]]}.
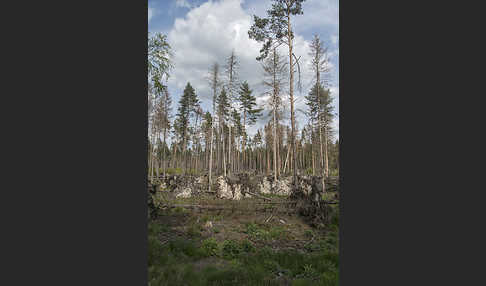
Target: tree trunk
{"points": [[274, 115], [224, 155], [211, 156], [286, 159], [312, 153], [326, 153], [174, 154], [291, 92], [163, 156], [268, 161], [229, 149]]}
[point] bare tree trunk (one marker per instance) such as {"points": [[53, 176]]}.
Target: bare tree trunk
{"points": [[229, 149], [326, 153], [244, 140], [152, 155], [291, 91], [224, 154], [268, 160], [150, 161], [321, 162], [286, 159], [274, 114], [165, 144], [312, 152], [174, 159], [184, 157], [218, 151], [211, 156]]}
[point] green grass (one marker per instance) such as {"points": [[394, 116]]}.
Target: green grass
{"points": [[194, 230], [240, 262], [264, 233], [178, 171], [173, 263], [210, 247], [328, 196]]}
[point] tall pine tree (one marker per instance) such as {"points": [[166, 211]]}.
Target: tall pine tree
{"points": [[273, 31]]}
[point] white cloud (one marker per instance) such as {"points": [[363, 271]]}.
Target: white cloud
{"points": [[183, 3], [207, 34]]}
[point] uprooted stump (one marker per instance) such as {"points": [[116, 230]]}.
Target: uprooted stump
{"points": [[152, 207], [307, 197]]}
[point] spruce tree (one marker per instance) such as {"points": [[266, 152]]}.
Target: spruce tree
{"points": [[248, 105], [187, 107]]}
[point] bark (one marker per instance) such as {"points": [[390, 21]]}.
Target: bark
{"points": [[274, 115], [211, 156], [163, 156], [286, 159], [291, 91], [326, 153], [229, 149]]}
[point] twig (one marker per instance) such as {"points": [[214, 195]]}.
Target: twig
{"points": [[268, 219]]}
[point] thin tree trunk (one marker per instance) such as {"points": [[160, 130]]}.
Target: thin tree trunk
{"points": [[274, 114], [174, 159], [312, 152], [224, 155], [152, 154], [321, 162], [326, 153], [211, 156], [163, 156], [268, 161], [286, 159], [229, 149], [291, 91]]}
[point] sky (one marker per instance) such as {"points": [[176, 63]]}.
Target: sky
{"points": [[203, 32]]}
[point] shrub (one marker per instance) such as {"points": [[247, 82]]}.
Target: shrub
{"points": [[247, 246], [210, 247], [194, 230], [231, 249], [309, 271], [251, 229], [334, 173], [186, 247], [278, 232], [256, 233]]}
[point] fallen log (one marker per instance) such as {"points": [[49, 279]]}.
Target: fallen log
{"points": [[220, 208], [258, 196]]}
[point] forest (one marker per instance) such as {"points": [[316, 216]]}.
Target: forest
{"points": [[233, 204]]}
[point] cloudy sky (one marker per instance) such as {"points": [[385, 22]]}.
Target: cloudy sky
{"points": [[203, 32]]}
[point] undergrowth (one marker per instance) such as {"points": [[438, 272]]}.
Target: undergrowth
{"points": [[174, 263]]}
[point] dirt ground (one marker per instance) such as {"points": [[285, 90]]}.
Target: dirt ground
{"points": [[289, 231]]}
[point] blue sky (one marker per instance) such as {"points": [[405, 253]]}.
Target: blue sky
{"points": [[202, 32]]}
